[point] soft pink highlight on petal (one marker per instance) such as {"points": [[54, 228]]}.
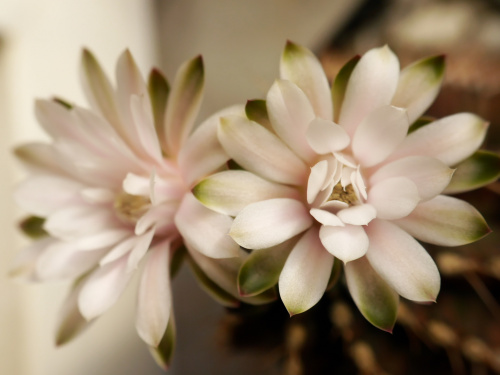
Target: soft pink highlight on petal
{"points": [[394, 198]]}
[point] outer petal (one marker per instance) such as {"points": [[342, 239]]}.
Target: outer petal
{"points": [[378, 135], [290, 113], [402, 262], [154, 298], [375, 299], [372, 84], [346, 243], [269, 223], [430, 175], [305, 276], [229, 192], [450, 139], [258, 150], [184, 103], [418, 86], [394, 198], [39, 157], [300, 66], [206, 230], [445, 221], [340, 85]]}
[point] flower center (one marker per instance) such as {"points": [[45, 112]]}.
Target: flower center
{"points": [[130, 208], [346, 195]]}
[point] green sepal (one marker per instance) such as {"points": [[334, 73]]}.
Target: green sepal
{"points": [[480, 169], [63, 102], [164, 352], [32, 227], [158, 89], [419, 123], [335, 275], [340, 85], [215, 291], [256, 110]]}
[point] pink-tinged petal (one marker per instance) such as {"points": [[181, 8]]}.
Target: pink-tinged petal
{"points": [[136, 185], [326, 218], [119, 250], [106, 237], [206, 230], [402, 262], [103, 288], [55, 119], [184, 103], [45, 194], [160, 215], [394, 198], [143, 119], [290, 113], [39, 157], [269, 223], [202, 153], [316, 181], [300, 66], [164, 352], [154, 297], [24, 264], [378, 135], [305, 275], [139, 250], [62, 261], [158, 89], [430, 175], [450, 139], [229, 192], [325, 137], [346, 243], [418, 86], [375, 299], [445, 221], [358, 215], [258, 150], [371, 85], [97, 195]]}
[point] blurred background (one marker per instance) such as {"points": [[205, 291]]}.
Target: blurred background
{"points": [[241, 42]]}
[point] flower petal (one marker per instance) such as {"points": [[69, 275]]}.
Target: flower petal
{"points": [[376, 300], [372, 84], [154, 298], [378, 135], [402, 262], [229, 192], [430, 175], [305, 275], [360, 214], [99, 240], [346, 243], [269, 223], [450, 139], [256, 110], [158, 89], [164, 352], [206, 230], [39, 157], [394, 198], [325, 137], [258, 150], [139, 250], [290, 113], [340, 85], [325, 217], [317, 179], [445, 221], [184, 103], [418, 86], [300, 66]]}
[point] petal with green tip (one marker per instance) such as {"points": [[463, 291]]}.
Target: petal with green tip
{"points": [[340, 84], [159, 89], [418, 86], [229, 192], [164, 352], [184, 103], [375, 299], [256, 110], [445, 221], [300, 66], [481, 169], [305, 276]]}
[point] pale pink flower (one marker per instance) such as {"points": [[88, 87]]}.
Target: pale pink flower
{"points": [[336, 173]]}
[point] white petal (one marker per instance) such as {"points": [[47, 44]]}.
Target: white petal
{"points": [[136, 185], [290, 113], [430, 175], [346, 243], [139, 250], [316, 181], [103, 288], [25, 262], [206, 230], [160, 215], [326, 137], [119, 250], [305, 274], [154, 297], [325, 217], [358, 215], [450, 139], [143, 119], [106, 237], [372, 84], [402, 262], [378, 135], [394, 198], [268, 223]]}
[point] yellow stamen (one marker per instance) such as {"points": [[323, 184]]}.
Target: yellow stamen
{"points": [[130, 208]]}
